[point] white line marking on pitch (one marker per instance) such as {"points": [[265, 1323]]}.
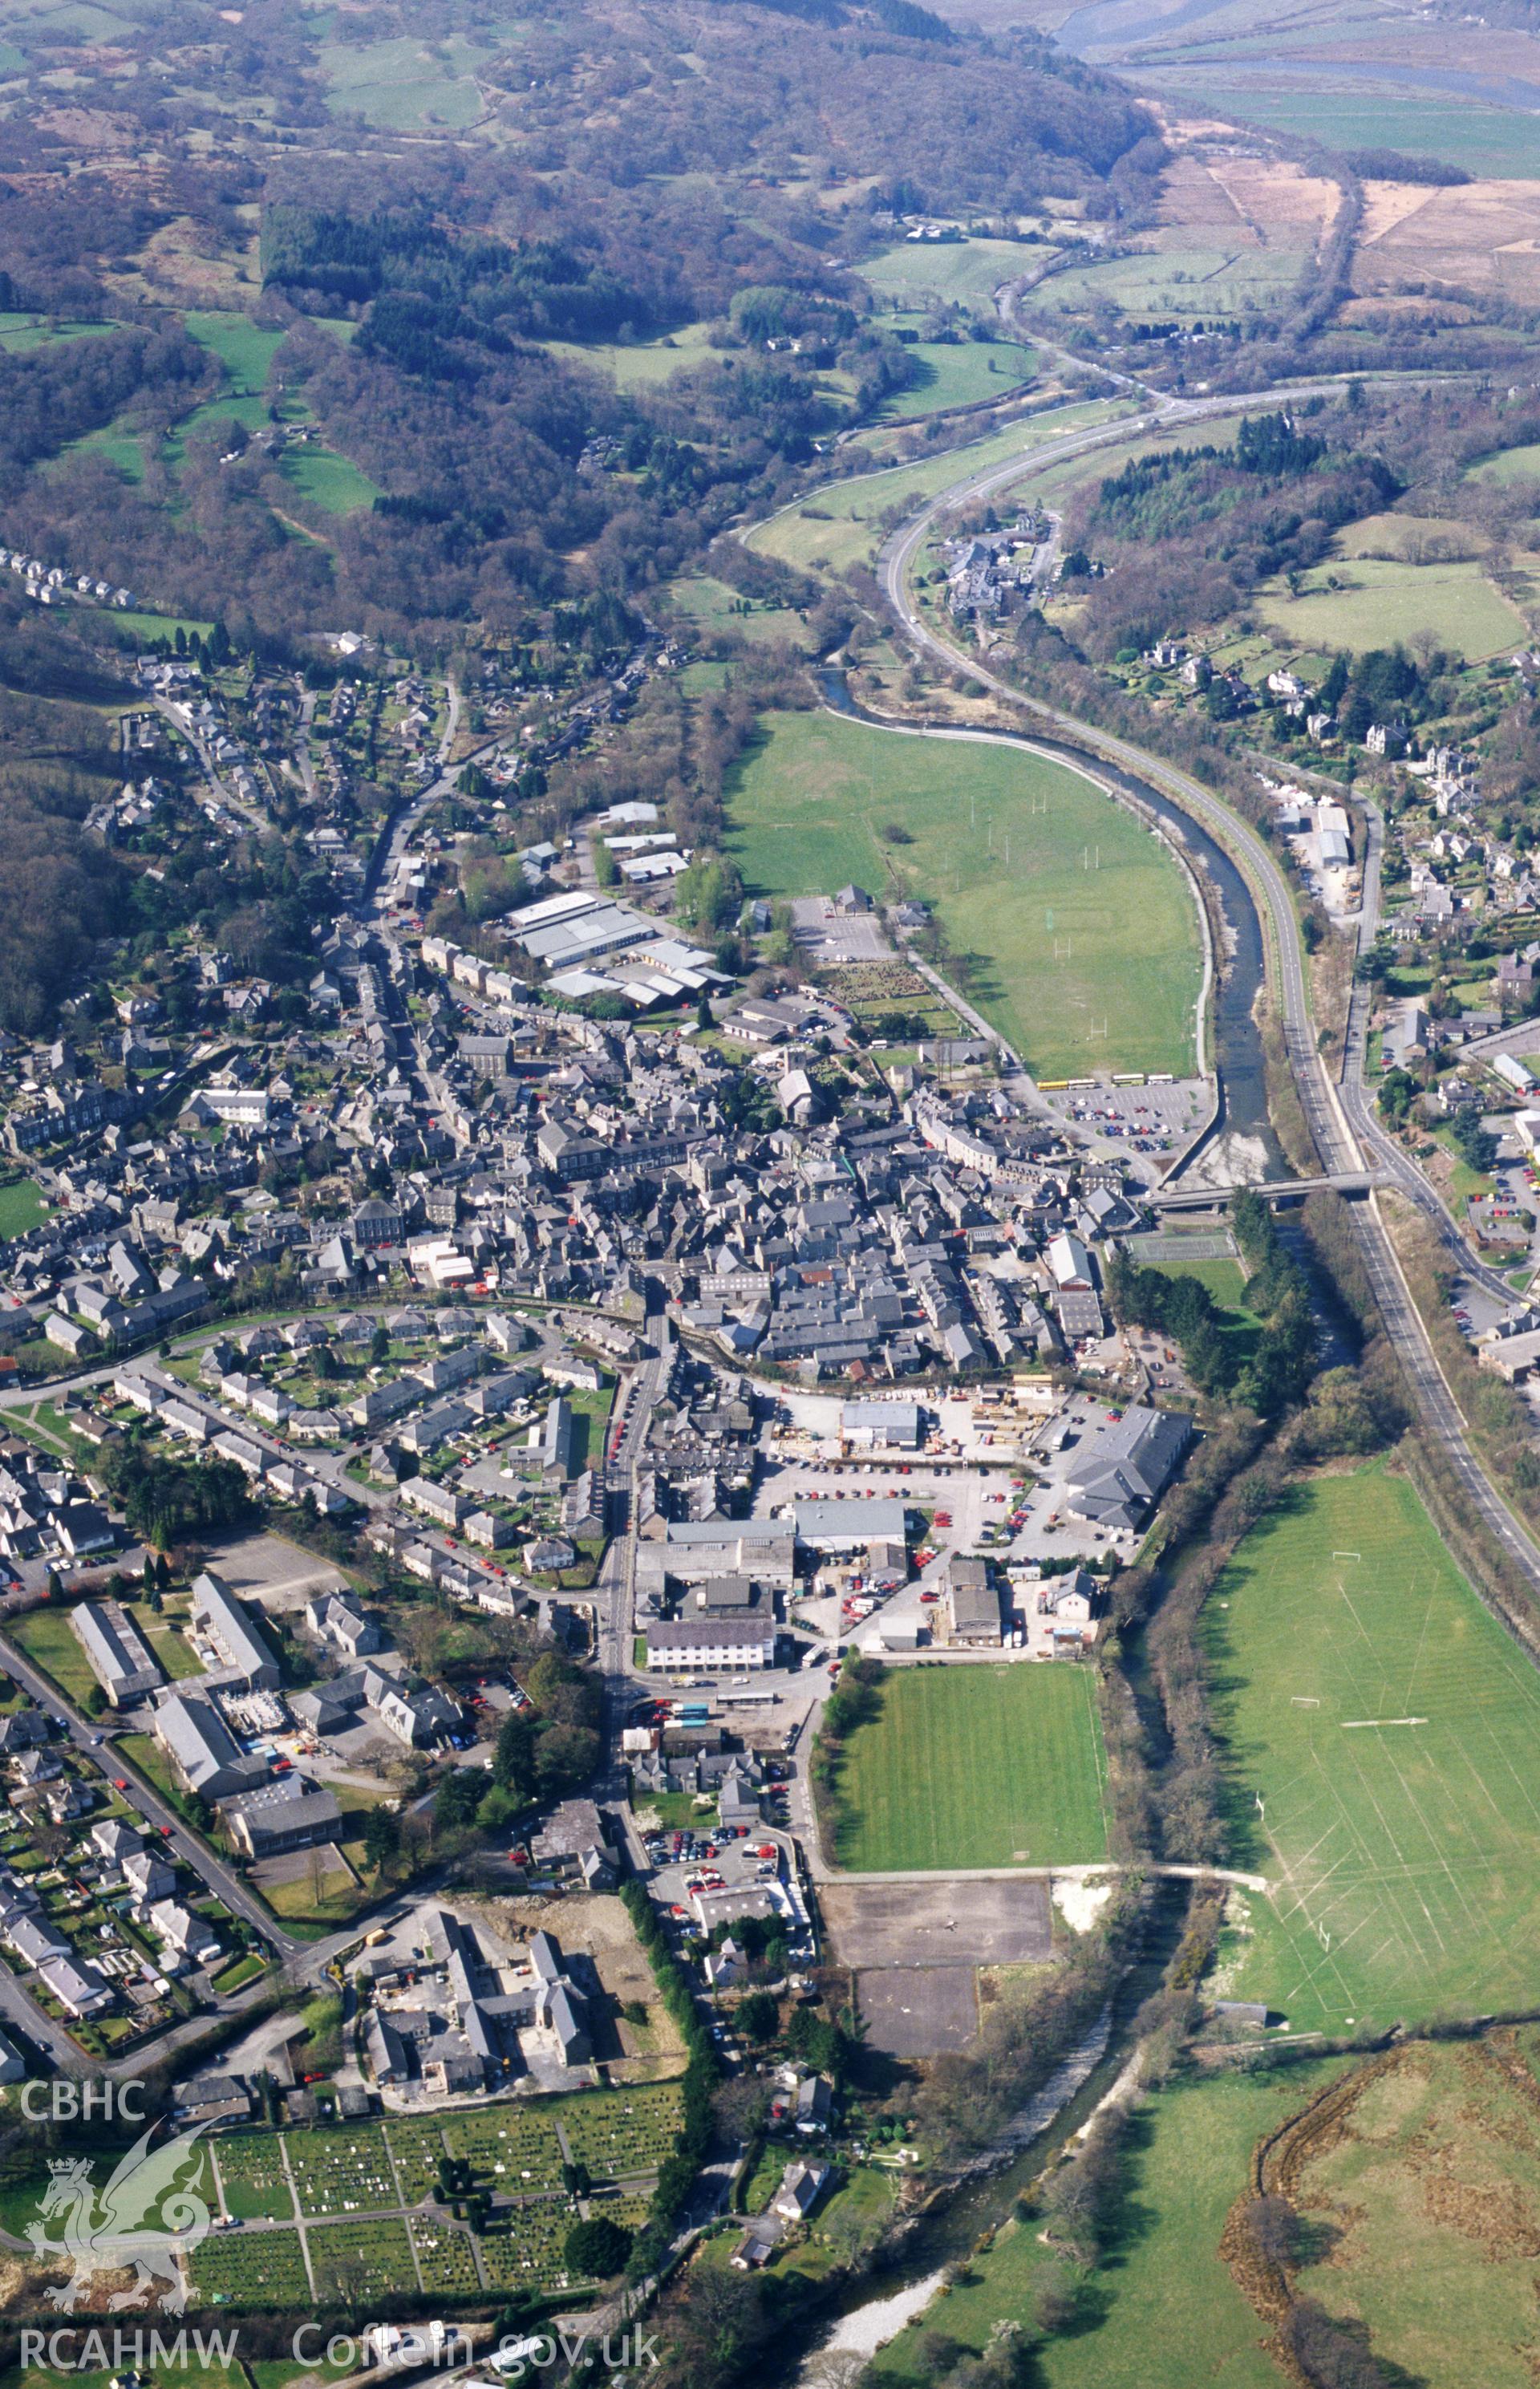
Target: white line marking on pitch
{"points": [[1351, 1725]]}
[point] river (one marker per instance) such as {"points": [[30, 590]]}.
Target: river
{"points": [[1243, 1123]]}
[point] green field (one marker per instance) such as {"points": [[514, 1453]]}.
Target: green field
{"points": [[1406, 1855], [960, 373], [327, 481], [404, 84], [1381, 601], [841, 524], [1445, 2283], [1190, 283], [1224, 1278], [23, 1205], [242, 346], [963, 272], [1484, 140], [1513, 465], [1077, 967], [714, 605], [49, 1640], [20, 334], [976, 1767], [1163, 2311], [642, 366]]}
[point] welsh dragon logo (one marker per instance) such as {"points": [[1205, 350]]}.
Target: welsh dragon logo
{"points": [[145, 2218]]}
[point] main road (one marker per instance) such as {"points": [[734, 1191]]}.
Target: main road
{"points": [[1332, 1113]]}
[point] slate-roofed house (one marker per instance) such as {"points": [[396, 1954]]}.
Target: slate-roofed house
{"points": [[290, 1813], [224, 1621], [117, 1654], [203, 1752]]}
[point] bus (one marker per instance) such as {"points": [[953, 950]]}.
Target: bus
{"points": [[750, 1700]]}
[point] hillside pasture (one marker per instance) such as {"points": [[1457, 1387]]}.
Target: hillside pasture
{"points": [[327, 481], [913, 276], [960, 372], [1380, 1731], [404, 85], [640, 364], [1078, 966], [1376, 602]]}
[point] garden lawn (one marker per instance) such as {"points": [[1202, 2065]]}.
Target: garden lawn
{"points": [[1382, 600], [23, 1205], [1079, 968], [49, 1640], [1405, 1855], [976, 1767]]}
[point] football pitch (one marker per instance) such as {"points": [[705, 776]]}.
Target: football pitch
{"points": [[975, 1766], [1382, 1732]]}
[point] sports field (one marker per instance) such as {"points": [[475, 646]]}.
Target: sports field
{"points": [[1378, 601], [1078, 966], [976, 1767], [1389, 1728]]}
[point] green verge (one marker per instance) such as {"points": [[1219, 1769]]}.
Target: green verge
{"points": [[1079, 967], [1406, 1856], [974, 1765]]}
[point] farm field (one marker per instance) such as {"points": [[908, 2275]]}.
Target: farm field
{"points": [[715, 606], [1197, 282], [975, 1767], [960, 373], [1381, 601], [1331, 112], [401, 85], [642, 365], [840, 525], [1164, 2284], [1406, 1855], [1512, 465], [962, 272], [327, 481], [1435, 2172], [1074, 966]]}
